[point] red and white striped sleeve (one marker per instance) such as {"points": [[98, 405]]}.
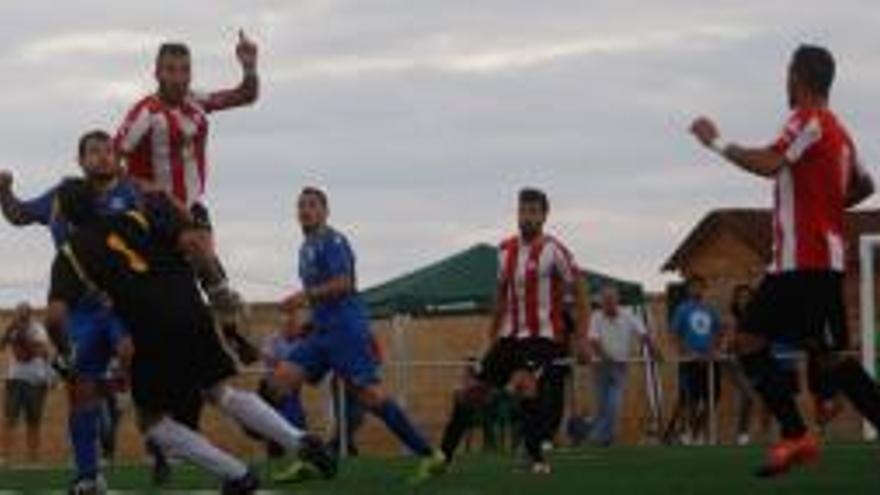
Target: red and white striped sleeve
{"points": [[503, 254], [802, 130], [134, 128], [563, 262]]}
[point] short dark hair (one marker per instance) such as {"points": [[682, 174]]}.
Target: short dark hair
{"points": [[173, 49], [695, 279], [93, 135], [814, 67], [532, 195], [314, 191]]}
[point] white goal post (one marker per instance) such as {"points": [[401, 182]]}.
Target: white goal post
{"points": [[868, 245]]}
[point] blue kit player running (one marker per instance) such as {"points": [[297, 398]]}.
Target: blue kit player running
{"points": [[341, 339], [93, 334]]}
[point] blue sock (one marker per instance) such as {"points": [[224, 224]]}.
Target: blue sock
{"points": [[83, 432], [396, 421], [292, 410]]}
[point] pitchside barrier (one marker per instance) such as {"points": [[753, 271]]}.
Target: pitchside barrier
{"points": [[426, 388]]}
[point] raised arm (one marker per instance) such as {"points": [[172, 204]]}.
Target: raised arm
{"points": [[21, 213], [248, 90], [760, 161]]}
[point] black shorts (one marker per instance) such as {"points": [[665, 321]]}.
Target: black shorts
{"points": [[201, 217], [803, 308], [176, 359], [508, 355], [26, 399]]}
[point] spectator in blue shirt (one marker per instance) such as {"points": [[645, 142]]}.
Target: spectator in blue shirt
{"points": [[696, 328]]}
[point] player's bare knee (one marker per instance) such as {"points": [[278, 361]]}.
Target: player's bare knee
{"points": [[372, 396], [473, 395], [287, 377], [524, 385]]}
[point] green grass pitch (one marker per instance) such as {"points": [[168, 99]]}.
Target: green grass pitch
{"points": [[844, 469]]}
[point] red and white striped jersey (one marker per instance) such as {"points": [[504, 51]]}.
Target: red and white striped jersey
{"points": [[810, 192], [166, 144], [535, 278]]}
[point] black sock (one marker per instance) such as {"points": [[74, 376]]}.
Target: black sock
{"points": [[859, 388], [533, 428], [763, 372], [463, 413]]}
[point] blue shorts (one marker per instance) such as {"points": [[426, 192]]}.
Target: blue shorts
{"points": [[94, 334], [346, 349]]}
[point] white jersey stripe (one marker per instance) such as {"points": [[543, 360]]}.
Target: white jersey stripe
{"points": [[135, 130], [787, 221], [545, 293], [191, 178], [835, 250], [161, 150], [810, 134]]}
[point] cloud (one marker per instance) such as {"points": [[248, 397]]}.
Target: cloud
{"points": [[422, 119], [516, 57], [89, 44]]}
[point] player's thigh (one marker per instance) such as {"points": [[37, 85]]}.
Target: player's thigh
{"points": [[310, 360], [826, 328], [771, 315], [352, 356], [214, 361], [499, 363]]}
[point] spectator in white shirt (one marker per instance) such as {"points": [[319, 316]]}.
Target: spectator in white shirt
{"points": [[611, 335], [27, 379]]}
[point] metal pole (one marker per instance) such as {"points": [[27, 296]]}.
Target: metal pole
{"points": [[867, 245], [342, 419], [713, 423]]}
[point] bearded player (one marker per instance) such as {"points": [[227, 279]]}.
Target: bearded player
{"points": [[163, 141], [526, 333], [91, 334]]}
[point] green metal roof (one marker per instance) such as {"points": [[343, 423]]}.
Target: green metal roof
{"points": [[460, 284]]}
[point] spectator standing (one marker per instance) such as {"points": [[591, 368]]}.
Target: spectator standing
{"points": [[697, 329], [27, 379], [612, 334]]}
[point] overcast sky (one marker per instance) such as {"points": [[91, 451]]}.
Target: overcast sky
{"points": [[422, 118]]}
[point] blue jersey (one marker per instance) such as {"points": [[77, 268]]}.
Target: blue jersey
{"points": [[326, 255], [697, 324], [43, 209]]}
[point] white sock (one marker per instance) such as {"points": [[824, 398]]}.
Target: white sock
{"points": [[251, 411], [180, 441]]}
